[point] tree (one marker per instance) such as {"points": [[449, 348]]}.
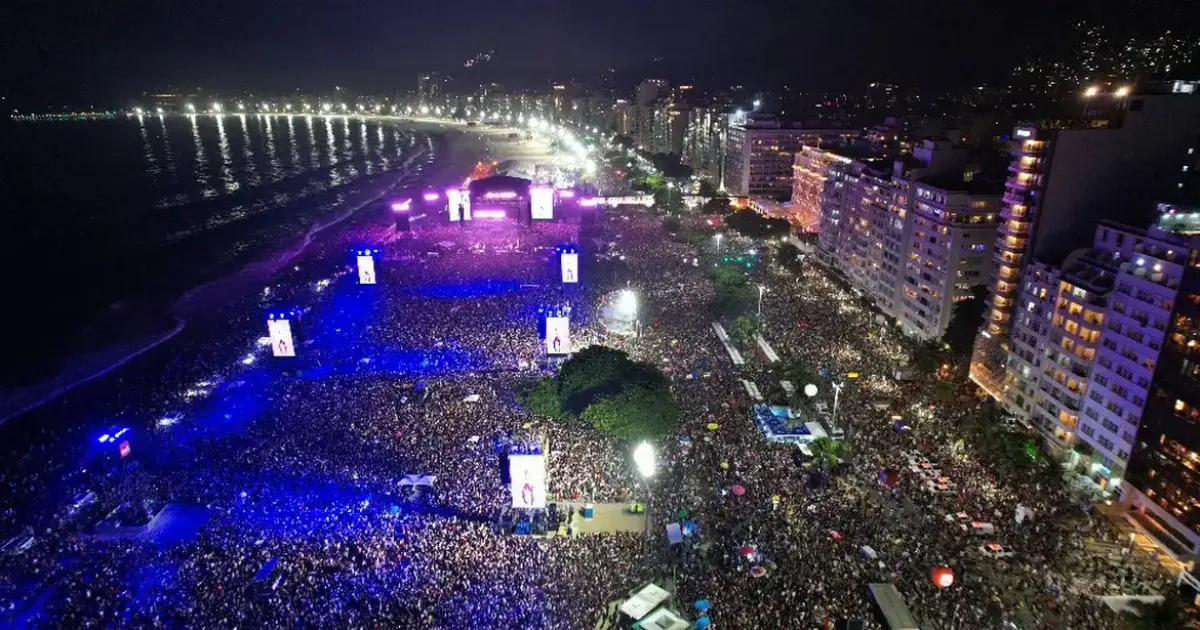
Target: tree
{"points": [[717, 205], [751, 224], [733, 293], [542, 399], [590, 374], [668, 200], [788, 257], [964, 323], [927, 356], [746, 328], [1168, 614], [623, 141], [707, 189], [827, 453], [637, 412]]}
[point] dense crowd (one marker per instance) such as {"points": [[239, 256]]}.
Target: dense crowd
{"points": [[302, 468]]}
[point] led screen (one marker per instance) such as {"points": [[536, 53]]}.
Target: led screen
{"points": [[280, 331], [558, 335], [541, 203], [570, 267], [528, 474], [366, 269]]}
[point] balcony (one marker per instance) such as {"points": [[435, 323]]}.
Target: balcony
{"points": [[1014, 228]]}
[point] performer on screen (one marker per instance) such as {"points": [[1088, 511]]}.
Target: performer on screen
{"points": [[283, 347], [557, 343], [366, 276], [527, 491]]}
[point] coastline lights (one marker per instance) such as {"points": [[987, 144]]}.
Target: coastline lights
{"points": [[1091, 91], [190, 107], [643, 458], [1122, 91], [216, 107]]}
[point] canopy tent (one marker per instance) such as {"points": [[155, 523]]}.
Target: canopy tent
{"points": [[643, 601], [418, 480]]}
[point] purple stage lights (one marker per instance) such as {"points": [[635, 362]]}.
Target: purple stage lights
{"points": [[489, 213], [431, 196], [503, 194], [402, 206]]}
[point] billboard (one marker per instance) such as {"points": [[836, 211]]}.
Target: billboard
{"points": [[453, 200], [570, 267], [558, 335], [541, 202], [527, 474], [366, 268], [282, 344]]}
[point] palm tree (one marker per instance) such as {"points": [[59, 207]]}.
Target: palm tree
{"points": [[827, 452], [1168, 614]]}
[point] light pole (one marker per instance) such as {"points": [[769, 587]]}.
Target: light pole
{"points": [[837, 390], [643, 458], [761, 288], [718, 237]]}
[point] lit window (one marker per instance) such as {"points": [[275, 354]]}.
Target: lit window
{"points": [[1179, 405]]}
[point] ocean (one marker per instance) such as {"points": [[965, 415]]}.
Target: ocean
{"points": [[109, 222]]}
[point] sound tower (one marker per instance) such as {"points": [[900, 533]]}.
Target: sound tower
{"points": [[403, 223], [505, 477], [849, 624]]}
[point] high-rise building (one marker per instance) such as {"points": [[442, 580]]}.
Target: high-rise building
{"points": [[914, 239], [670, 127], [647, 96], [760, 152], [1162, 485], [1119, 157], [704, 141]]}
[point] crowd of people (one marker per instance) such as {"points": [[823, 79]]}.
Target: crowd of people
{"points": [[300, 469]]}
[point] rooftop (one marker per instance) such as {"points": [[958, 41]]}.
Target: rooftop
{"points": [[956, 183]]}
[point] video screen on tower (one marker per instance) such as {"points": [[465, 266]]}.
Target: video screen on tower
{"points": [[528, 481], [453, 200], [570, 267], [541, 202], [366, 269], [280, 331], [558, 335]]}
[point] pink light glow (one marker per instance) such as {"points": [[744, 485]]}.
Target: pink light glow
{"points": [[505, 194], [566, 194], [590, 202], [431, 196], [488, 214], [402, 206]]}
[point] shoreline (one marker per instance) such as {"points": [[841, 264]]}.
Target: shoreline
{"points": [[211, 296]]}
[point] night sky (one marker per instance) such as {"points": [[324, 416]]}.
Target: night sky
{"points": [[102, 52]]}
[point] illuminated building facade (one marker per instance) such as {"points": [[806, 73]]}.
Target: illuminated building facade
{"points": [[1121, 155], [760, 154]]}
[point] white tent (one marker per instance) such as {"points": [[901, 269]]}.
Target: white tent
{"points": [[645, 600]]}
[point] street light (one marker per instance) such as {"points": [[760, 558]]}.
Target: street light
{"points": [[718, 237], [643, 458], [837, 390], [761, 288]]}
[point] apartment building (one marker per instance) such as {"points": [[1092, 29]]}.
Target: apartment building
{"points": [[1085, 343], [914, 238], [1121, 155], [760, 153], [953, 229], [1162, 484]]}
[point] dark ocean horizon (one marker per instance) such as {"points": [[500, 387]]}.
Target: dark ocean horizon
{"points": [[108, 222]]}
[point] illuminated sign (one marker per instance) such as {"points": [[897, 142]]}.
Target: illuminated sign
{"points": [[282, 344], [1024, 133]]}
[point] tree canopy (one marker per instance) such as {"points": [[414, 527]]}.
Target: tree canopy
{"points": [[606, 389], [788, 257], [752, 224], [965, 322]]}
